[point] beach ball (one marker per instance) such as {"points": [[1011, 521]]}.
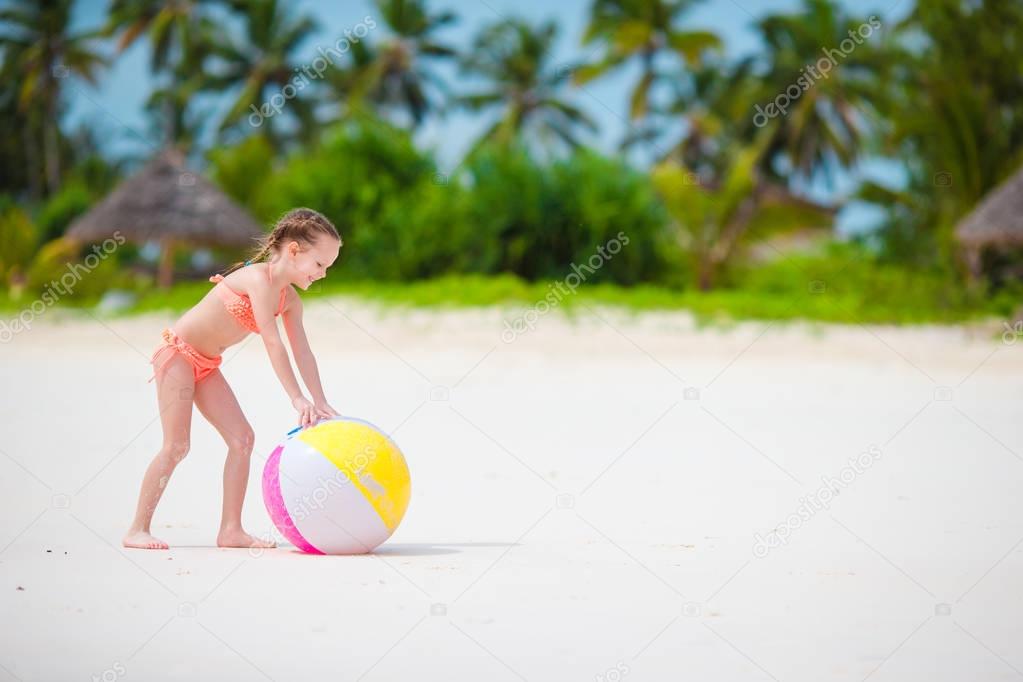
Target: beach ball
{"points": [[338, 487]]}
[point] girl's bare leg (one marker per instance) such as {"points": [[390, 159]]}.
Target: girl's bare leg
{"points": [[174, 389], [216, 401]]}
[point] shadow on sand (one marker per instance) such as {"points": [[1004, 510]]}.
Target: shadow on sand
{"points": [[420, 548]]}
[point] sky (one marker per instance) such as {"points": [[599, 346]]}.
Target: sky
{"points": [[115, 107]]}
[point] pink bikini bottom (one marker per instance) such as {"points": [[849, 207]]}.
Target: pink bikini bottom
{"points": [[202, 366]]}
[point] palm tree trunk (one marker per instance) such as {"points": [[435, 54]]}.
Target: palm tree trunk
{"points": [[706, 273], [50, 141], [170, 114], [168, 124], [974, 264], [52, 157], [30, 140], [165, 273]]}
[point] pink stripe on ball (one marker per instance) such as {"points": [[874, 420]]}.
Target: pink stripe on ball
{"points": [[275, 503]]}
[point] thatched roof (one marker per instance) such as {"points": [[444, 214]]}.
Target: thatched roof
{"points": [[998, 219], [163, 201]]}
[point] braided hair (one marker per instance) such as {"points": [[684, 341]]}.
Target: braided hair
{"points": [[299, 224]]}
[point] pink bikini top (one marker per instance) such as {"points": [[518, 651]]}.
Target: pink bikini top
{"points": [[239, 305]]}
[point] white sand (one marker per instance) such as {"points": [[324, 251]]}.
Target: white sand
{"points": [[914, 573]]}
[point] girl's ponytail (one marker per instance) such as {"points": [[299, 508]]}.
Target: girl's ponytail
{"points": [[299, 224]]}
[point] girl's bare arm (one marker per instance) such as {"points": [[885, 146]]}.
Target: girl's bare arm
{"points": [[264, 300], [304, 358]]}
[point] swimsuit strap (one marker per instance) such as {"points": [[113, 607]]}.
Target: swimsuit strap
{"points": [[280, 303], [219, 278]]}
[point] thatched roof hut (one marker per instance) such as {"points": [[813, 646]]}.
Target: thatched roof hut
{"points": [[167, 203], [996, 222]]}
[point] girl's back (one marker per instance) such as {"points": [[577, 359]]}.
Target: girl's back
{"points": [[209, 325]]}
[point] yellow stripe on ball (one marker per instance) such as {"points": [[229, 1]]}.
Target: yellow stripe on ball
{"points": [[371, 462]]}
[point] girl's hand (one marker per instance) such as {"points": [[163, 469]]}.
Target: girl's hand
{"points": [[306, 411], [326, 411]]}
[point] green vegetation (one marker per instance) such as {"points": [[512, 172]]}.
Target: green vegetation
{"points": [[723, 183], [843, 285]]}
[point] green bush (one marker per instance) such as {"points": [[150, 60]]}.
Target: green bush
{"points": [[19, 238], [71, 201], [360, 166], [853, 284], [63, 267], [502, 212], [595, 199], [242, 170], [426, 233], [536, 220], [507, 198]]}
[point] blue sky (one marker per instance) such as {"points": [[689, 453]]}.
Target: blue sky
{"points": [[115, 107]]}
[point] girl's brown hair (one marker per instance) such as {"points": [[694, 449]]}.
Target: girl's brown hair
{"points": [[299, 224]]}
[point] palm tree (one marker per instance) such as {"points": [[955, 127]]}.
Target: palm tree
{"points": [[642, 31], [349, 85], [952, 98], [19, 163], [171, 110], [40, 52], [718, 215], [21, 242], [263, 63], [516, 59], [395, 73], [181, 34], [825, 124], [715, 100], [171, 25]]}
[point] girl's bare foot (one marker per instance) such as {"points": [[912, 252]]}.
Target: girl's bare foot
{"points": [[140, 539], [239, 538]]}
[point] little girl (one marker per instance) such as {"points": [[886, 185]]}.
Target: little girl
{"points": [[298, 251]]}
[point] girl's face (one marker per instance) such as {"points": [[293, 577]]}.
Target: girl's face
{"points": [[308, 263]]}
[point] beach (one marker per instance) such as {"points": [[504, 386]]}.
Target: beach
{"points": [[606, 496]]}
